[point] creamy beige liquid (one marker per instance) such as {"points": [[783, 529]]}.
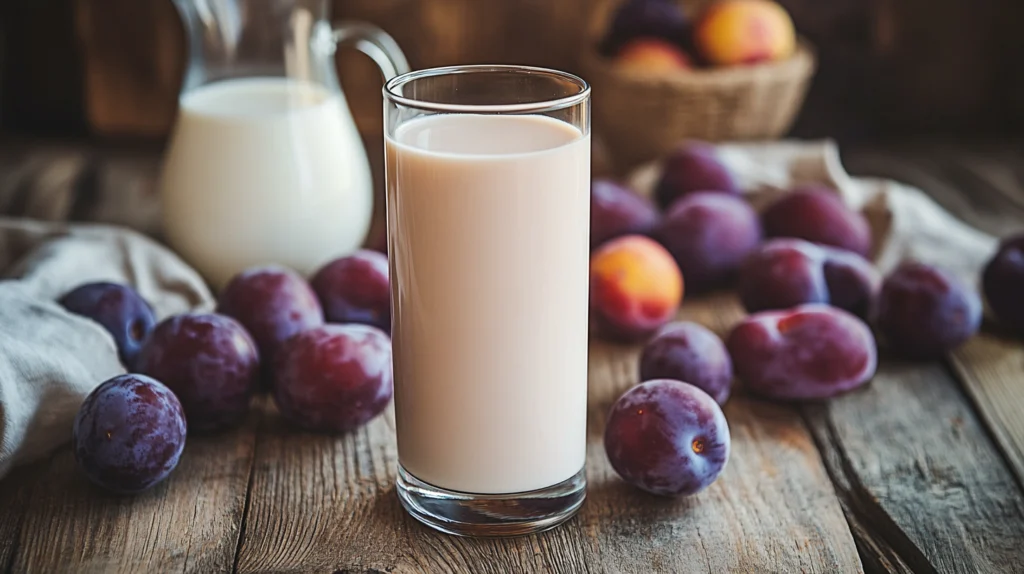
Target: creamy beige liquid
{"points": [[488, 219], [264, 170]]}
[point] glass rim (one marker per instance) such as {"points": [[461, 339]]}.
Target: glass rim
{"points": [[549, 105]]}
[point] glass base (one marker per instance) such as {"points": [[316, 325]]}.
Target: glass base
{"points": [[515, 514]]}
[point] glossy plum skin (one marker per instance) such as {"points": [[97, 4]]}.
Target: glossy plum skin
{"points": [[667, 437], [709, 235], [692, 167], [129, 433], [334, 378], [1003, 283], [784, 273], [210, 362], [808, 352], [924, 311], [817, 214], [691, 353], [644, 18], [616, 211], [355, 289], [119, 309], [272, 303]]}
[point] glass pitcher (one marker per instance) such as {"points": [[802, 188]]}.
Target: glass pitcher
{"points": [[264, 164]]}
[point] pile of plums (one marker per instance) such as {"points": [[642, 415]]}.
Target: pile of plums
{"points": [[656, 37], [800, 268], [320, 347]]}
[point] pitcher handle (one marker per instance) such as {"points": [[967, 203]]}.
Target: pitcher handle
{"points": [[375, 43]]}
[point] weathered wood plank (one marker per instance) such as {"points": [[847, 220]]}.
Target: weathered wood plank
{"points": [[983, 184], [772, 510], [15, 493], [320, 503], [915, 468], [992, 371], [190, 523], [326, 503]]}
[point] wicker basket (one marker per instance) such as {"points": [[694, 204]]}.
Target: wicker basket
{"points": [[640, 117]]}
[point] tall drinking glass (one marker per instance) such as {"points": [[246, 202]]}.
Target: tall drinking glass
{"points": [[488, 206]]}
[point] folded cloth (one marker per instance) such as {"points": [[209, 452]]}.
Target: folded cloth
{"points": [[51, 359], [905, 223]]}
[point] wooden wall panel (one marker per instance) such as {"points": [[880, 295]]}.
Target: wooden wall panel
{"points": [[41, 83], [886, 66]]}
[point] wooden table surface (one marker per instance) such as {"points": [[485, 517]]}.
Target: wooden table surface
{"points": [[921, 471]]}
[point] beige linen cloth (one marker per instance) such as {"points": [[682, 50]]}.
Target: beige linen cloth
{"points": [[50, 360]]}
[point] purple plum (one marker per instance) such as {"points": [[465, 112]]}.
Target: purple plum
{"points": [[812, 351], [334, 378], [817, 214], [709, 235], [119, 309], [615, 210], [129, 433], [667, 437], [924, 311], [692, 167], [272, 303], [645, 18], [1003, 281], [784, 273], [691, 353], [356, 289], [210, 362]]}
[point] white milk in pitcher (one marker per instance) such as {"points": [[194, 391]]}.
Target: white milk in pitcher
{"points": [[489, 228], [264, 170]]}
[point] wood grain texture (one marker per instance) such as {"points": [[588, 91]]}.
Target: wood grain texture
{"points": [[983, 184], [992, 371], [322, 503], [919, 473], [907, 460], [15, 494], [189, 523]]}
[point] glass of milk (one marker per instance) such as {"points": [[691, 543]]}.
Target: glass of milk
{"points": [[264, 163], [488, 205]]}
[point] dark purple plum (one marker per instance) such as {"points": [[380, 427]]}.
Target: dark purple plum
{"points": [[784, 273], [210, 362], [334, 378], [645, 18], [1003, 283], [691, 353], [693, 167], [709, 235], [119, 309], [667, 437], [924, 311], [272, 303], [355, 289], [808, 352], [817, 214], [616, 211], [129, 433]]}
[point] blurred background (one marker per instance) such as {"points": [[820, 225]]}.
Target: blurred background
{"points": [[886, 68], [89, 88]]}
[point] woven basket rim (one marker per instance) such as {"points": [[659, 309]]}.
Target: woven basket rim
{"points": [[802, 62]]}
